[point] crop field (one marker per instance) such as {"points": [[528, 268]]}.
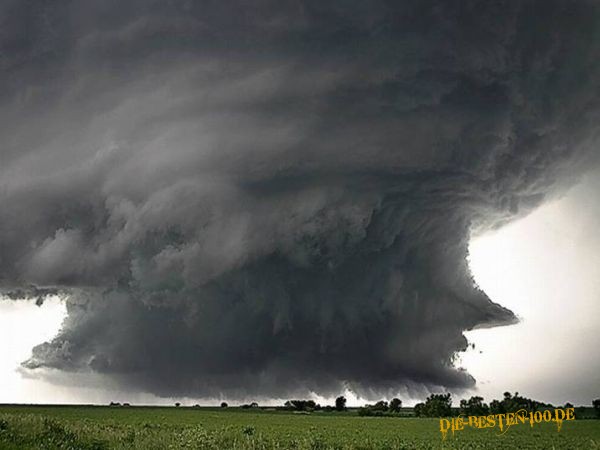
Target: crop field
{"points": [[82, 427]]}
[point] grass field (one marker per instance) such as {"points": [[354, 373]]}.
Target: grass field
{"points": [[81, 427]]}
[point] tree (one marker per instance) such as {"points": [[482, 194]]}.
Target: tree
{"points": [[474, 407], [224, 405], [514, 403], [340, 403], [419, 410], [596, 405], [496, 407], [395, 405], [301, 405], [381, 405], [177, 404], [436, 405], [381, 408]]}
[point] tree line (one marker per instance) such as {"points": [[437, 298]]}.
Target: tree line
{"points": [[440, 405], [311, 405], [436, 405]]}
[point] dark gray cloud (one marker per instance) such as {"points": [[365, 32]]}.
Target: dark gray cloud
{"points": [[276, 197]]}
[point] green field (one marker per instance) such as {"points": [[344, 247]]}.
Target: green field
{"points": [[82, 427]]}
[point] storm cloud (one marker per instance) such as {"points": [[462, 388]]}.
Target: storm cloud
{"points": [[276, 197]]}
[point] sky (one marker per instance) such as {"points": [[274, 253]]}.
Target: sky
{"points": [[544, 267], [291, 198]]}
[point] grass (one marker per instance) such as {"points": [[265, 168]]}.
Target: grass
{"points": [[98, 428]]}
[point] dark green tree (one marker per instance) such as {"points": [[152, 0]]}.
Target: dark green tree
{"points": [[340, 403], [438, 405], [419, 410], [474, 407], [381, 405], [513, 403], [497, 407], [395, 405], [301, 405]]}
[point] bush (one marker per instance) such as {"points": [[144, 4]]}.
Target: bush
{"points": [[251, 405], [365, 411], [368, 411]]}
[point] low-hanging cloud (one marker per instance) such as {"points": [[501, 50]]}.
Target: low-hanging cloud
{"points": [[276, 197]]}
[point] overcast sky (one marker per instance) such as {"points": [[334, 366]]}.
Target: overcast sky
{"points": [[544, 267], [278, 198]]}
